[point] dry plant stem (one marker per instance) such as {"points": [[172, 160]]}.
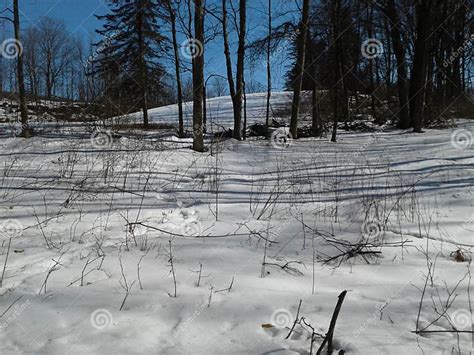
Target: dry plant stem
{"points": [[195, 236], [171, 261], [332, 326], [6, 260], [443, 331], [50, 271], [199, 275], [314, 262], [297, 319], [210, 296], [127, 288], [228, 288], [304, 232], [138, 271], [263, 272]]}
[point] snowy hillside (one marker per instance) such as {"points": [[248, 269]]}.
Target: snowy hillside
{"points": [[220, 110], [142, 246]]}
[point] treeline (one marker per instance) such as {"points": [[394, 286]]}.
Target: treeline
{"points": [[420, 51], [153, 52]]}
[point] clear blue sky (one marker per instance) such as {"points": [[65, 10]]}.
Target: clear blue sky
{"points": [[79, 18]]}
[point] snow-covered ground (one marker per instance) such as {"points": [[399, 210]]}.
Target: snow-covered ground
{"points": [[78, 209]]}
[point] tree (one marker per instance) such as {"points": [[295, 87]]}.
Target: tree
{"points": [[31, 41], [26, 131], [54, 52], [420, 64], [198, 78], [130, 51], [300, 65], [404, 113], [179, 85], [236, 89], [269, 65]]}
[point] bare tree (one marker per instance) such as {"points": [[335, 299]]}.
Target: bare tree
{"points": [[300, 65], [25, 130], [219, 87], [236, 89], [198, 78], [54, 52], [420, 64], [179, 85], [31, 41], [269, 65], [392, 14]]}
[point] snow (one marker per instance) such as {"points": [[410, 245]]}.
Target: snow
{"points": [[219, 110], [77, 196]]}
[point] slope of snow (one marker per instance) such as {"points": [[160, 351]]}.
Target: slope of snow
{"points": [[67, 200], [220, 110]]}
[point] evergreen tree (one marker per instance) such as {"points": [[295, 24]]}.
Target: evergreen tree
{"points": [[129, 53]]}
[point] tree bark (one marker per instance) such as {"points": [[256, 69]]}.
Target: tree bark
{"points": [[198, 78], [404, 111], [177, 69], [25, 130], [420, 65], [240, 71], [236, 88], [141, 63], [269, 71], [300, 63]]}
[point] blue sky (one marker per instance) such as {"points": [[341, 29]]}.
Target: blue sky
{"points": [[79, 18]]}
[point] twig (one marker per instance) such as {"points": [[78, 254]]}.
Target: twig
{"points": [[6, 259]]}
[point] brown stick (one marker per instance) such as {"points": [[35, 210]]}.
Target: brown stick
{"points": [[332, 326]]}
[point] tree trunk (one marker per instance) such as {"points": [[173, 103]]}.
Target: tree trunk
{"points": [[141, 62], [26, 132], [420, 64], [198, 78], [316, 125], [228, 59], [269, 72], [404, 112], [300, 63], [240, 71], [177, 70]]}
